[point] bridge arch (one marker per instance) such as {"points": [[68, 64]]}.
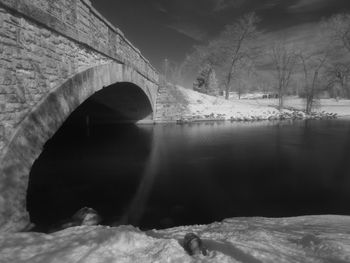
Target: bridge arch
{"points": [[40, 125]]}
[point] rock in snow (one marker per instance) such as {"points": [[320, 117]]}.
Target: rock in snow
{"points": [[299, 239]]}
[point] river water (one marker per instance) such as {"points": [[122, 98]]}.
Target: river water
{"points": [[168, 175]]}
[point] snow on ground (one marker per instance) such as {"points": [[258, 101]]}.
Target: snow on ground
{"points": [[253, 240], [202, 104], [340, 107], [89, 244]]}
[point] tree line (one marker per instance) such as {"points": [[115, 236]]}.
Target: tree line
{"points": [[244, 59]]}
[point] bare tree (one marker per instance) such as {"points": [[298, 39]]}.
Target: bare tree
{"points": [[244, 78], [284, 59], [339, 30], [212, 54], [312, 65], [337, 33], [338, 79], [239, 35], [224, 53]]}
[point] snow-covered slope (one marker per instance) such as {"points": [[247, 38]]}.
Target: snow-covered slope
{"points": [[256, 240], [204, 107], [202, 104]]}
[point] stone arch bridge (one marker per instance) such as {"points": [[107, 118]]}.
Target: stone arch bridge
{"points": [[54, 54]]}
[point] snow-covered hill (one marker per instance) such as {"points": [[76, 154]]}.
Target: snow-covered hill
{"points": [[256, 240], [203, 107]]}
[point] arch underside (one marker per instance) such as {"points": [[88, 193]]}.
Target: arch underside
{"points": [[42, 123]]}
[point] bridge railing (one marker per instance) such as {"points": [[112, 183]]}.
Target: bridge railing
{"points": [[81, 22]]}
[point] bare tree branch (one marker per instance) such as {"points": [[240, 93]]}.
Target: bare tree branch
{"points": [[284, 59]]}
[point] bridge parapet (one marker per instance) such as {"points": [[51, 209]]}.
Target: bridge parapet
{"points": [[80, 21]]}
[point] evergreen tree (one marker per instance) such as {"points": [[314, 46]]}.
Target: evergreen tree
{"points": [[213, 86], [206, 81]]}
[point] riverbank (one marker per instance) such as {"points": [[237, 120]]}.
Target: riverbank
{"points": [[340, 107], [201, 107], [299, 239]]}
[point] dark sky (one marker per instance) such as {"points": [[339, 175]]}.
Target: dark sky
{"points": [[169, 28]]}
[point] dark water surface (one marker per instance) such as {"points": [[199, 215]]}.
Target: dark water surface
{"points": [[167, 175]]}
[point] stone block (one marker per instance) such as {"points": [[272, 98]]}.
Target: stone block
{"points": [[8, 78], [41, 4]]}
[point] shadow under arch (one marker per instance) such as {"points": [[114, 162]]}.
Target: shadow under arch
{"points": [[122, 102], [87, 162], [42, 122]]}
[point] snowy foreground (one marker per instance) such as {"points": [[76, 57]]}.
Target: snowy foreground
{"points": [[300, 239], [201, 106]]}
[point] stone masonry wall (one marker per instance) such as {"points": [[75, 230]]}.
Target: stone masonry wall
{"points": [[170, 106], [53, 55], [33, 61], [43, 43]]}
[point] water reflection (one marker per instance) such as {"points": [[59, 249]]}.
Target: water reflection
{"points": [[168, 175], [137, 206], [279, 169]]}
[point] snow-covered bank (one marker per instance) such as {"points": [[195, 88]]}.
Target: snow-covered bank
{"points": [[203, 107], [340, 107], [301, 239]]}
